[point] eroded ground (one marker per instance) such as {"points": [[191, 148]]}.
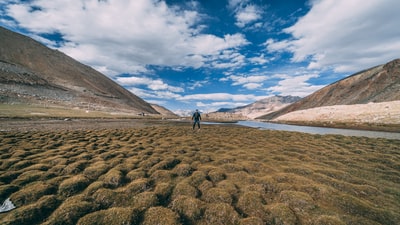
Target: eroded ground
{"points": [[168, 174]]}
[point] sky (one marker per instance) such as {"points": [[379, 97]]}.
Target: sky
{"points": [[210, 54]]}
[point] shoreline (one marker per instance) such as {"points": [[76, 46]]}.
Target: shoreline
{"points": [[70, 123], [343, 125]]}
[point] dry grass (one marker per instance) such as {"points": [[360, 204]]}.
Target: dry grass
{"points": [[220, 175], [45, 111]]}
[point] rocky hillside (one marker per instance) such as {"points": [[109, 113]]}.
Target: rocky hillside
{"points": [[378, 84], [384, 114], [164, 111], [262, 107], [33, 74]]}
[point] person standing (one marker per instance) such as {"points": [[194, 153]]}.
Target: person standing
{"points": [[196, 119]]}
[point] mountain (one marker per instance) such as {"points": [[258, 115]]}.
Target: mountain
{"points": [[34, 74], [262, 106], [374, 85], [164, 111]]}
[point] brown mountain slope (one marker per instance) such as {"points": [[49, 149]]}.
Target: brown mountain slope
{"points": [[164, 111], [34, 74], [378, 84]]}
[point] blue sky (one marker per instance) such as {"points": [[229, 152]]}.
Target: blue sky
{"points": [[211, 54]]}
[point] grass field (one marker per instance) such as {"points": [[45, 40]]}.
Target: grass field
{"points": [[40, 111], [168, 174]]}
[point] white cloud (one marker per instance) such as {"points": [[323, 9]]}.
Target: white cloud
{"points": [[260, 60], [295, 85], [152, 84], [247, 15], [126, 36], [232, 4], [221, 97], [252, 86], [150, 95], [197, 84], [345, 35], [249, 82], [214, 106], [211, 44]]}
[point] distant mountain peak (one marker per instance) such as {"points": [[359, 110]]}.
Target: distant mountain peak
{"points": [[262, 107]]}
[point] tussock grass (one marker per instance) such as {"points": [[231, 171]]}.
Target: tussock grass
{"points": [[95, 170], [138, 186], [107, 198], [279, 213], [113, 178], [251, 221], [70, 211], [6, 190], [191, 209], [144, 200], [73, 185], [31, 176], [33, 213], [160, 215], [111, 216], [75, 167], [251, 203], [31, 193], [220, 175], [161, 176], [217, 195], [135, 174], [220, 213], [184, 188]]}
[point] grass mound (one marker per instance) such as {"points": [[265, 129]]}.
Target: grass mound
{"points": [[191, 209], [111, 216], [220, 213], [221, 175], [160, 215], [73, 185]]}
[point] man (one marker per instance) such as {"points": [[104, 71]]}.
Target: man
{"points": [[196, 118]]}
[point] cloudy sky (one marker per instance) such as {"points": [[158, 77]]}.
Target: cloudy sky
{"points": [[210, 54]]}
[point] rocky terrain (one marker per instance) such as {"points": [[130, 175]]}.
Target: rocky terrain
{"points": [[350, 99], [32, 74], [258, 108], [383, 112], [166, 113]]}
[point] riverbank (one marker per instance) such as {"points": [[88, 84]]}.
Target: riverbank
{"points": [[382, 116], [386, 127], [320, 130], [163, 172]]}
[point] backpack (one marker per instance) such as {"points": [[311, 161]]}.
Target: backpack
{"points": [[196, 115]]}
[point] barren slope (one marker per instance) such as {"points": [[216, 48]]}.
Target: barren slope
{"points": [[378, 84], [32, 73], [383, 113]]}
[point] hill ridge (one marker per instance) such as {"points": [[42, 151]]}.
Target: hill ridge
{"points": [[27, 66], [377, 84]]}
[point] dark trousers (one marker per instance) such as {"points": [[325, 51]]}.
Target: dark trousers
{"points": [[198, 123]]}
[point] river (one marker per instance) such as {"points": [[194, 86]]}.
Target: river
{"points": [[320, 130]]}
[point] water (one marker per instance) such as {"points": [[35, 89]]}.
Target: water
{"points": [[320, 130], [7, 206]]}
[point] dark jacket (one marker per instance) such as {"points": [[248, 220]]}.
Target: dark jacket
{"points": [[196, 116]]}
